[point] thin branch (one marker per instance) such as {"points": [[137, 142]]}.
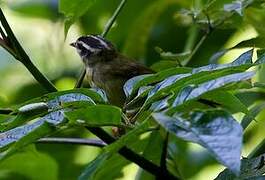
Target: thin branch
{"points": [[132, 156], [73, 141], [113, 18], [22, 56], [103, 34]]}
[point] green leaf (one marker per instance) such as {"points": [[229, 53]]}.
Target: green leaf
{"points": [[258, 42], [133, 84], [48, 103], [192, 92], [227, 100], [55, 118], [152, 152], [56, 98], [256, 17], [254, 111], [25, 113], [28, 163], [211, 130], [140, 98], [73, 10], [173, 56], [116, 162], [164, 65], [200, 74], [90, 171], [250, 169], [36, 8], [94, 167], [33, 135], [96, 115]]}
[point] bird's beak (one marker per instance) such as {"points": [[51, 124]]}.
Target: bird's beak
{"points": [[73, 44]]}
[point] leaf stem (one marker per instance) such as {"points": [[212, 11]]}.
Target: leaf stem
{"points": [[21, 55], [194, 51], [73, 141], [103, 34]]}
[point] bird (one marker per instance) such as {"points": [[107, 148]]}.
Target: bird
{"points": [[106, 67]]}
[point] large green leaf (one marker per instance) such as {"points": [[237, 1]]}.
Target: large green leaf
{"points": [[215, 130], [97, 115]]}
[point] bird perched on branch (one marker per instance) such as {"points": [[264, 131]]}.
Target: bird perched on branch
{"points": [[106, 68]]}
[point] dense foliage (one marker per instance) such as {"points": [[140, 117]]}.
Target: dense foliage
{"points": [[192, 99]]}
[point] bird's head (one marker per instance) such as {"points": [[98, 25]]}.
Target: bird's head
{"points": [[92, 47]]}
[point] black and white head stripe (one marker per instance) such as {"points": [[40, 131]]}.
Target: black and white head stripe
{"points": [[94, 43]]}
